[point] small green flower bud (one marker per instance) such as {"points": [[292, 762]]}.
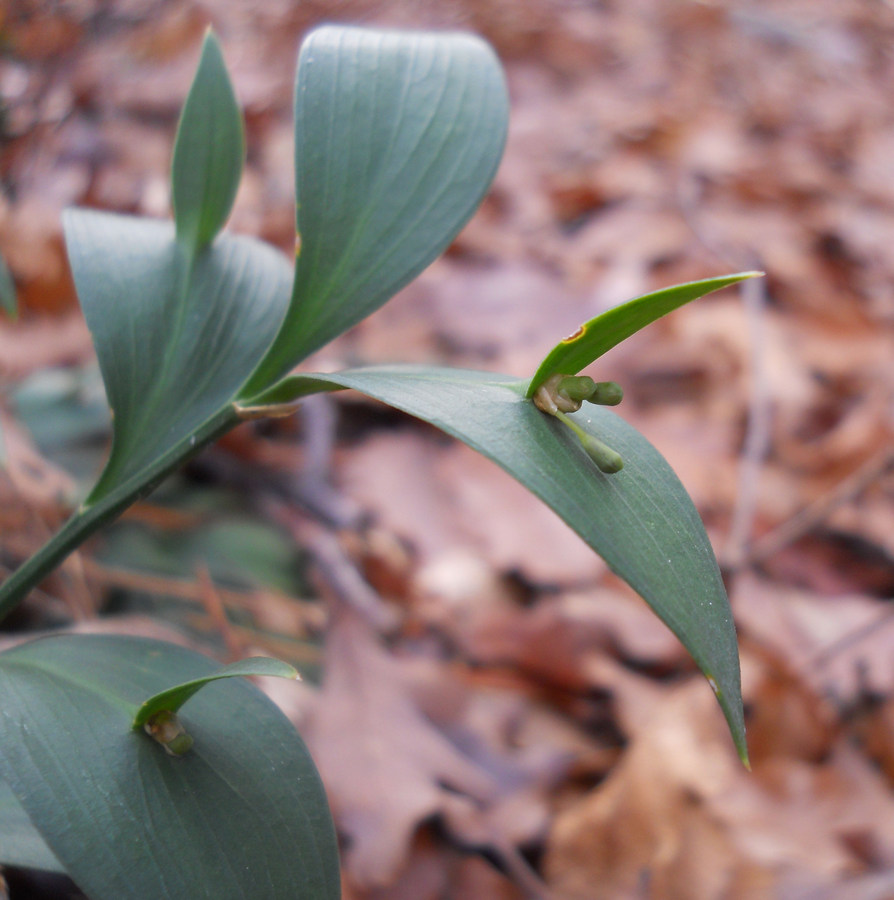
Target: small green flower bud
{"points": [[606, 459], [606, 393], [576, 388]]}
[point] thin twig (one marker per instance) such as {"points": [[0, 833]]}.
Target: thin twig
{"points": [[313, 487], [188, 589], [757, 429], [213, 604], [341, 582], [758, 424], [815, 513], [825, 655]]}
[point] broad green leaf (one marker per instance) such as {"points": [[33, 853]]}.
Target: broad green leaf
{"points": [[208, 152], [8, 298], [640, 520], [175, 339], [398, 136], [607, 330], [242, 814], [20, 842], [173, 698]]}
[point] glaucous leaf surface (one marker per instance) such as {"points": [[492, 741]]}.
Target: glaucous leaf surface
{"points": [[173, 698], [640, 520], [397, 137], [175, 336], [208, 153], [607, 330], [242, 814], [20, 842]]}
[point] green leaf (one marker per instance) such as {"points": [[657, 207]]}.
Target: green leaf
{"points": [[175, 339], [208, 152], [8, 299], [398, 136], [243, 814], [174, 697], [640, 520], [607, 330], [20, 842]]}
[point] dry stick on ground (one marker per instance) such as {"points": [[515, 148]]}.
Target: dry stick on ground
{"points": [[824, 656], [338, 576], [815, 513], [757, 429], [213, 604], [313, 488], [188, 589]]}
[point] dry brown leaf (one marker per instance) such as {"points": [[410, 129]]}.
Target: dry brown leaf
{"points": [[839, 646], [553, 642], [648, 830], [443, 497], [384, 764]]}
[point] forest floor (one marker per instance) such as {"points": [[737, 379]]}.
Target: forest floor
{"points": [[524, 726]]}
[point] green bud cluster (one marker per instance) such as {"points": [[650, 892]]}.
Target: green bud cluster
{"points": [[562, 394]]}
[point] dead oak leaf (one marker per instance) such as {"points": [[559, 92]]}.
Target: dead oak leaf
{"points": [[385, 765]]}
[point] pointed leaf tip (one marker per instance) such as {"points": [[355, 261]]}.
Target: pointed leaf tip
{"points": [[167, 702], [398, 135], [607, 330], [208, 152]]}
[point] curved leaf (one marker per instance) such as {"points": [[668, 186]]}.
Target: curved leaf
{"points": [[640, 520], [208, 152], [398, 136], [243, 814], [607, 330], [173, 698], [175, 339]]}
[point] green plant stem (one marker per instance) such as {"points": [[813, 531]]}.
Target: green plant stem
{"points": [[88, 519]]}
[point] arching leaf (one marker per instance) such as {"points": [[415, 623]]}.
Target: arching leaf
{"points": [[172, 698], [607, 330], [397, 137], [242, 814], [640, 520]]}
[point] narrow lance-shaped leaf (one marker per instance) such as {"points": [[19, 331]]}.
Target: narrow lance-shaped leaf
{"points": [[607, 330], [208, 152], [242, 814], [397, 137], [640, 520], [174, 697]]}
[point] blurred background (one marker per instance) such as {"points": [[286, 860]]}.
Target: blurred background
{"points": [[494, 714]]}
